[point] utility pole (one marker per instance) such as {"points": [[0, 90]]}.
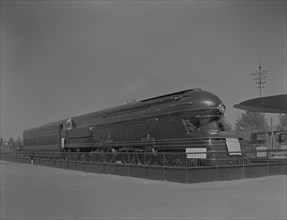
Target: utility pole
{"points": [[260, 77]]}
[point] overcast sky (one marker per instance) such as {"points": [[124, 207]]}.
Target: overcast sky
{"points": [[67, 58]]}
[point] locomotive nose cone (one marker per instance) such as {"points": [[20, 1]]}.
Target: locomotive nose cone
{"points": [[206, 99], [206, 107], [206, 102]]}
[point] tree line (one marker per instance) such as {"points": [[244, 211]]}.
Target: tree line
{"points": [[11, 145], [252, 122]]}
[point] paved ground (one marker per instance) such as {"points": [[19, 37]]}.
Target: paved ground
{"points": [[37, 192]]}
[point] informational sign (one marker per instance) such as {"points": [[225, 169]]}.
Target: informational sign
{"points": [[261, 151], [194, 153], [233, 146]]}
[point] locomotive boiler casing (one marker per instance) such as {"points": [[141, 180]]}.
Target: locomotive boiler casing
{"points": [[187, 115]]}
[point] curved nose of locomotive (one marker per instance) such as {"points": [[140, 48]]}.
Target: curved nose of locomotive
{"points": [[201, 99]]}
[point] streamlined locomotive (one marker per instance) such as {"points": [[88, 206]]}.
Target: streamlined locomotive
{"points": [[185, 121]]}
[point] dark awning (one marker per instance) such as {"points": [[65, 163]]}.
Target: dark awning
{"points": [[268, 104]]}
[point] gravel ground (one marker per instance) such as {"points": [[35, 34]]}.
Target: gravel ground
{"points": [[38, 192]]}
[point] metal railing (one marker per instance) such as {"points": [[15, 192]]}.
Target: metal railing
{"points": [[189, 160], [177, 167]]}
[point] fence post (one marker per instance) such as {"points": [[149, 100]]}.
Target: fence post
{"points": [[129, 159], [243, 164], [186, 170], [216, 165], [267, 171], [164, 169]]}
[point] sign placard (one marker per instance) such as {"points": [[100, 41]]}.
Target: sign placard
{"points": [[193, 153], [233, 146]]}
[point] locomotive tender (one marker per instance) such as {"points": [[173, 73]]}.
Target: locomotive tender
{"points": [[185, 121]]}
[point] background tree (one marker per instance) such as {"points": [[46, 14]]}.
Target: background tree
{"points": [[282, 122], [226, 124], [250, 122], [19, 144], [11, 144], [2, 145]]}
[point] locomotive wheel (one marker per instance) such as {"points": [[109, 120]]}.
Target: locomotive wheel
{"points": [[127, 158], [178, 163], [98, 157], [145, 159], [191, 163], [150, 158], [157, 160], [164, 162], [110, 158]]}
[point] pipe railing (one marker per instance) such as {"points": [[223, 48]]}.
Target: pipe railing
{"points": [[194, 159]]}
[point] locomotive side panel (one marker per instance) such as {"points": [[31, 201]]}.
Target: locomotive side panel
{"points": [[126, 131], [41, 139], [184, 115]]}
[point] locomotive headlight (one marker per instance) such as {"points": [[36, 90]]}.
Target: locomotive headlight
{"points": [[221, 108]]}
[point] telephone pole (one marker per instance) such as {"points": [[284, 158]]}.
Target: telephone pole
{"points": [[260, 77]]}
